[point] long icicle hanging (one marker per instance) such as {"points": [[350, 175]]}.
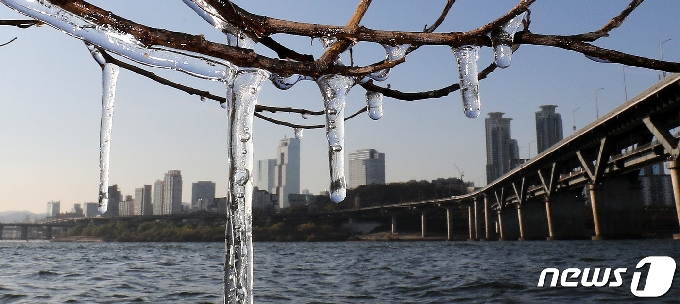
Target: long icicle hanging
{"points": [[109, 79], [469, 82], [242, 96], [334, 89]]}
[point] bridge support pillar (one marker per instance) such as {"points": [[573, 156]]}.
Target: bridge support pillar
{"points": [[508, 224], [565, 216], [593, 204], [423, 223], [617, 208], [675, 180], [24, 233], [449, 224], [470, 223], [394, 222], [500, 227], [548, 216], [48, 232], [520, 220], [1, 229], [478, 214], [487, 223]]}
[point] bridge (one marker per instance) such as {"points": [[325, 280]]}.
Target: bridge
{"points": [[544, 198]]}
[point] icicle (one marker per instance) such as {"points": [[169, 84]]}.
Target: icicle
{"points": [[334, 89], [502, 40], [374, 104], [242, 95], [298, 133], [109, 78], [305, 115], [393, 53], [469, 83]]}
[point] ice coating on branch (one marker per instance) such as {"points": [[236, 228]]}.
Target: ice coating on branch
{"points": [[96, 54], [109, 79], [467, 56], [298, 133], [122, 43], [374, 104], [208, 13], [502, 40], [393, 53], [285, 82], [240, 111], [334, 89]]}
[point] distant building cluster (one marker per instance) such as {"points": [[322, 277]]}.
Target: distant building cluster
{"points": [[502, 152], [164, 197]]}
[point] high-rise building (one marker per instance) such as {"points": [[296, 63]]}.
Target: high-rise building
{"points": [[657, 188], [264, 174], [501, 151], [172, 192], [366, 167], [287, 170], [548, 127], [143, 204], [91, 209], [157, 202], [202, 195], [127, 206], [115, 197], [53, 208]]}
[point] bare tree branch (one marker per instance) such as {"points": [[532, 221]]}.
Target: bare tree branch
{"points": [[8, 42], [21, 23], [612, 24]]}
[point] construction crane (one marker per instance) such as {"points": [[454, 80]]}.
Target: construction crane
{"points": [[460, 172]]}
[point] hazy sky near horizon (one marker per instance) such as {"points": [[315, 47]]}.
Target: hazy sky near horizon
{"points": [[50, 97]]}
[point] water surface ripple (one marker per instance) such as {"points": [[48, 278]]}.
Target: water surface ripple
{"points": [[343, 272]]}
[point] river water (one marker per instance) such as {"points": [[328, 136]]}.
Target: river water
{"points": [[343, 272]]}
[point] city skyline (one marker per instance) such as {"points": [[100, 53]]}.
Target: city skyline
{"points": [[156, 127]]}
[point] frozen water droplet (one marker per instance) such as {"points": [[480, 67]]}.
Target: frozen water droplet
{"points": [[338, 190], [245, 136], [338, 195], [223, 105], [374, 104], [327, 41], [305, 115], [203, 98], [298, 133], [285, 82], [241, 177], [336, 148], [332, 112], [469, 83], [502, 39], [503, 55]]}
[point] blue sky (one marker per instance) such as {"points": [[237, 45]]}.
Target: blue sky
{"points": [[51, 96]]}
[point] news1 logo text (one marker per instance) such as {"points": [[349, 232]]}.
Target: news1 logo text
{"points": [[659, 277]]}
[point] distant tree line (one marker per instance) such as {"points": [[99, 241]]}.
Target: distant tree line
{"points": [[155, 231]]}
